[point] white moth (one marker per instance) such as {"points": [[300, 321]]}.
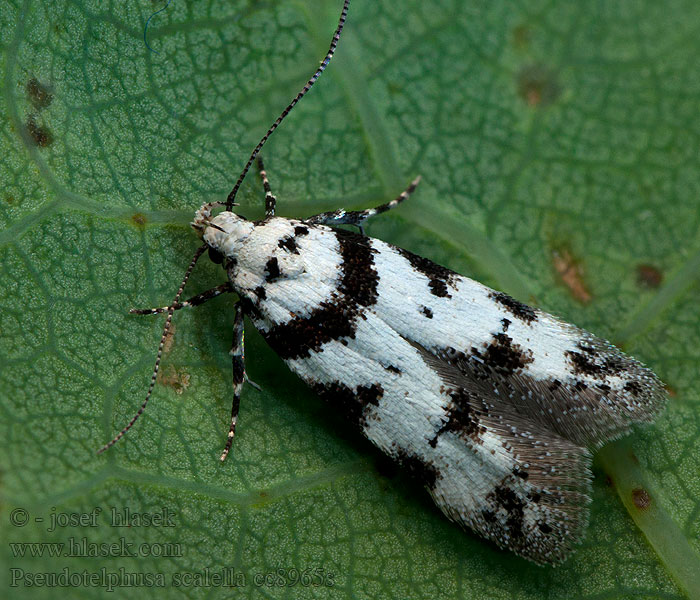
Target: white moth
{"points": [[492, 404]]}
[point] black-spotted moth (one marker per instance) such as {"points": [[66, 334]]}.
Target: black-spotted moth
{"points": [[492, 404]]}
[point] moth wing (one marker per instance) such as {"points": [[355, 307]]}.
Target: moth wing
{"points": [[589, 410], [532, 487], [569, 381]]}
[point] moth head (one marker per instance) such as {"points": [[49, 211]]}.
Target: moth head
{"points": [[222, 233]]}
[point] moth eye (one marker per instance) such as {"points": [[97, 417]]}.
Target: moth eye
{"points": [[215, 256]]}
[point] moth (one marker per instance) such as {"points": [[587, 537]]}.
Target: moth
{"points": [[493, 405]]}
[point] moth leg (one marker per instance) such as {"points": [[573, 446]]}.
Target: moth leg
{"points": [[194, 301], [239, 376], [358, 217], [270, 200]]}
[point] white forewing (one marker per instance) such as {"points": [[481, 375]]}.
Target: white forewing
{"points": [[489, 402]]}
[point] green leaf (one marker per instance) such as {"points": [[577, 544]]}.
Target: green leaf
{"points": [[560, 152]]}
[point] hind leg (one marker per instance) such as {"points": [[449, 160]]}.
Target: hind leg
{"points": [[358, 217]]}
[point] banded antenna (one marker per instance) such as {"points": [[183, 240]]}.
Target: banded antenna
{"points": [[292, 104], [229, 204], [170, 310]]}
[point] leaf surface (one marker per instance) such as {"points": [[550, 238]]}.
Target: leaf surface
{"points": [[560, 152]]}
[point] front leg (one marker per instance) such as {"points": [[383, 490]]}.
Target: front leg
{"points": [[239, 376], [194, 301]]}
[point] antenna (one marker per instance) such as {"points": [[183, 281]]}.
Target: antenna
{"points": [[290, 106], [156, 367]]}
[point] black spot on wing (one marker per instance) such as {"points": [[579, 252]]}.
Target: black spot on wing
{"points": [[517, 309], [582, 364], [462, 418], [427, 312], [301, 230], [260, 292], [360, 278], [634, 387], [438, 288], [544, 528], [503, 356], [506, 323], [439, 277], [335, 318], [598, 359], [423, 470], [393, 369], [508, 505], [352, 402], [520, 473], [615, 364], [289, 244], [272, 268]]}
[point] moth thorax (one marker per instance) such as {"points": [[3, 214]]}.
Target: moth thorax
{"points": [[226, 232]]}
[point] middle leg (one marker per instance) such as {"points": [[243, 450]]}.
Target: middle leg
{"points": [[239, 376]]}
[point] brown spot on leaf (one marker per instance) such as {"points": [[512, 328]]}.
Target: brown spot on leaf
{"points": [[649, 276], [641, 498], [39, 95], [169, 338], [538, 85], [139, 219], [10, 199], [40, 134], [177, 379], [571, 274], [521, 36]]}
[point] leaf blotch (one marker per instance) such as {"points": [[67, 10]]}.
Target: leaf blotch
{"points": [[40, 134], [641, 498], [649, 276], [538, 85], [521, 36], [139, 219], [177, 379], [38, 94], [169, 338], [570, 274]]}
